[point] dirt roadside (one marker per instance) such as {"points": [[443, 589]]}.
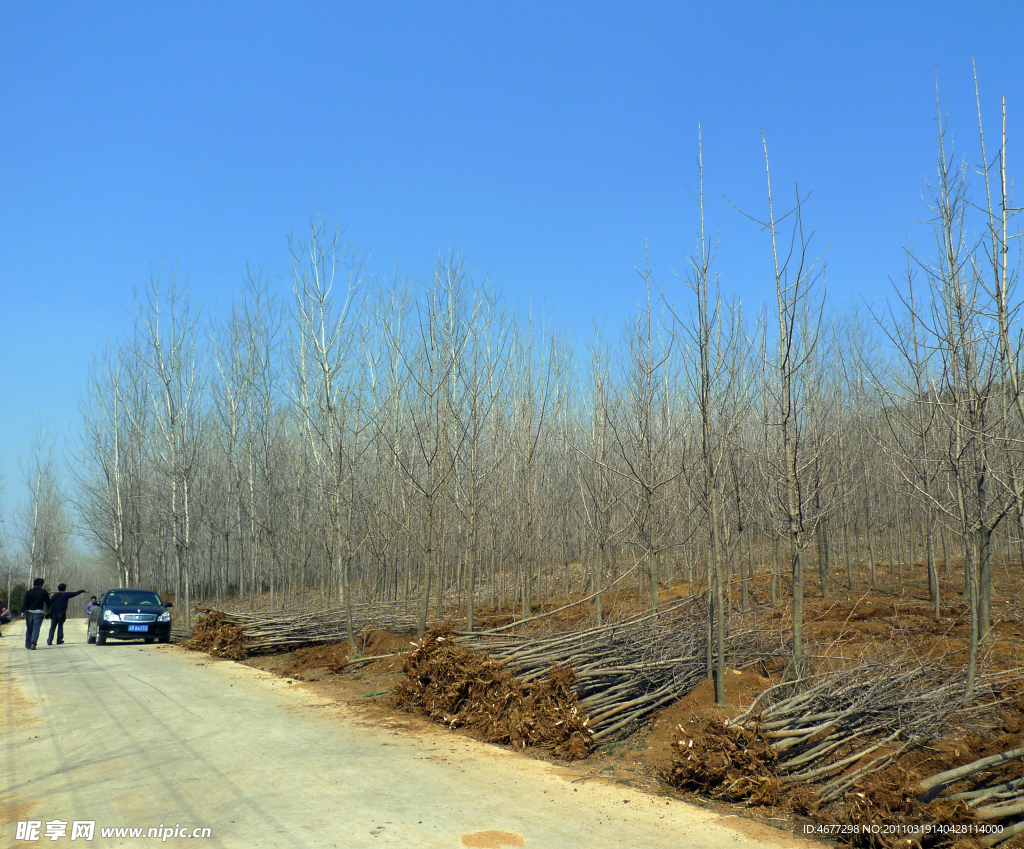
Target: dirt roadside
{"points": [[849, 625], [364, 688]]}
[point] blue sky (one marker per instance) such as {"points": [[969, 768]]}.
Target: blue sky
{"points": [[545, 140]]}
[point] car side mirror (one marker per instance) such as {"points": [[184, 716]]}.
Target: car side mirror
{"points": [[169, 604]]}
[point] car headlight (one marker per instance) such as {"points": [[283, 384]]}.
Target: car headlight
{"points": [[110, 616], [165, 616]]}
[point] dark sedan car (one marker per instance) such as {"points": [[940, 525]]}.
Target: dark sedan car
{"points": [[130, 615]]}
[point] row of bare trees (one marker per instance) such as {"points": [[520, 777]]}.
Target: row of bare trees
{"points": [[357, 439], [37, 541]]}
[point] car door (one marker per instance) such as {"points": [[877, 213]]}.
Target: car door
{"points": [[97, 611]]}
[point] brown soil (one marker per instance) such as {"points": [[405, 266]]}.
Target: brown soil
{"points": [[364, 686], [492, 839]]}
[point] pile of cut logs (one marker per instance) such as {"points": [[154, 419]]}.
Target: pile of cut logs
{"points": [[821, 727], [269, 632], [626, 670]]}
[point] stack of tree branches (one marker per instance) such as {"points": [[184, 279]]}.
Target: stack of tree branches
{"points": [[838, 737], [269, 632], [991, 788], [835, 728], [626, 670], [463, 689]]}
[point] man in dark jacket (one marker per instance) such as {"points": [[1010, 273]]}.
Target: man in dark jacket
{"points": [[59, 612], [34, 607]]}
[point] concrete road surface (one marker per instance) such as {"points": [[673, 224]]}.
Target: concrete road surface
{"points": [[129, 735]]}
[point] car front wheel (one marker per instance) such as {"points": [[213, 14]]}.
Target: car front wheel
{"points": [[100, 637], [89, 636]]}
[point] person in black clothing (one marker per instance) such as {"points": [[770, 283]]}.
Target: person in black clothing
{"points": [[34, 607], [59, 612]]}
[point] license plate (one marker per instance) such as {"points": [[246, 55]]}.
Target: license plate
{"points": [[138, 627]]}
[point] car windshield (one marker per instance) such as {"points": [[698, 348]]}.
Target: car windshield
{"points": [[133, 597]]}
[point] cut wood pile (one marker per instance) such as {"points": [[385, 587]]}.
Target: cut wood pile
{"points": [[626, 670], [463, 689], [259, 633], [829, 747], [991, 788]]}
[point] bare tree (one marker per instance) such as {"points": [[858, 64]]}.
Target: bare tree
{"points": [[968, 369], [45, 527], [911, 411], [715, 339], [534, 403], [169, 347], [999, 280], [326, 274], [262, 317], [6, 560], [799, 311], [483, 373], [641, 439], [109, 460], [388, 515], [602, 484], [432, 371], [233, 355]]}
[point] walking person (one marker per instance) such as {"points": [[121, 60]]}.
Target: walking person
{"points": [[59, 612], [34, 607]]}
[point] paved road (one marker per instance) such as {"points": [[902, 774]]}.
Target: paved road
{"points": [[133, 735]]}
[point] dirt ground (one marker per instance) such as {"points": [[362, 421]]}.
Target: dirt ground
{"points": [[851, 624]]}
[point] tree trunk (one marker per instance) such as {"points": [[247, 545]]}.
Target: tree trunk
{"points": [[775, 571], [428, 563], [824, 555], [846, 554], [972, 592], [933, 572], [985, 583], [945, 551], [719, 622], [1020, 536], [871, 556], [744, 580], [892, 551]]}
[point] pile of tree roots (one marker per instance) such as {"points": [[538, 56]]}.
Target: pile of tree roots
{"points": [[464, 689], [626, 670], [262, 633], [216, 634], [828, 746]]}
